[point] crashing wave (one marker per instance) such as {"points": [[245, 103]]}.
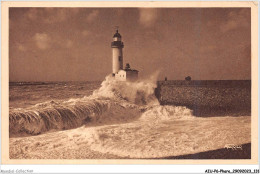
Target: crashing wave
{"points": [[113, 102]]}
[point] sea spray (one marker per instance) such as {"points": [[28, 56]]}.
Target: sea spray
{"points": [[119, 123], [114, 102], [139, 92], [159, 113]]}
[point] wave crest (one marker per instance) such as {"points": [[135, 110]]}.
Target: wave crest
{"points": [[113, 102], [51, 115], [139, 92]]}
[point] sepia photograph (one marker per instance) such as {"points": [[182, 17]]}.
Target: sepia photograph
{"points": [[143, 83]]}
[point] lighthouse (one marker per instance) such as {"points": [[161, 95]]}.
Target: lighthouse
{"points": [[117, 53], [118, 72], [126, 74]]}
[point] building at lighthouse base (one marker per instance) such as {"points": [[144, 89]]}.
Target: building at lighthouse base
{"points": [[126, 74]]}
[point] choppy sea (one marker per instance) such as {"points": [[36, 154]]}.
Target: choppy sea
{"points": [[120, 118]]}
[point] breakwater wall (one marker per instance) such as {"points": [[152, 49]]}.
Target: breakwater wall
{"points": [[209, 97]]}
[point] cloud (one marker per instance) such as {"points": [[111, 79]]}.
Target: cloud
{"points": [[208, 48], [119, 11], [32, 14], [236, 19], [42, 40], [148, 16], [93, 15], [74, 11], [69, 44], [210, 23], [85, 33], [61, 42], [21, 47], [51, 15], [56, 15]]}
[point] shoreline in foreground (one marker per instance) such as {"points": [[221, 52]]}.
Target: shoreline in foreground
{"points": [[223, 153]]}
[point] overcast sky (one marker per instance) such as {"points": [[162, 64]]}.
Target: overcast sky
{"points": [[73, 44]]}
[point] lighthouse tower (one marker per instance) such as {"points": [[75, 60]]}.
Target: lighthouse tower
{"points": [[117, 53], [118, 72]]}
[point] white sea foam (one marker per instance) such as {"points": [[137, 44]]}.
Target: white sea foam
{"points": [[122, 119], [114, 102], [139, 92]]}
